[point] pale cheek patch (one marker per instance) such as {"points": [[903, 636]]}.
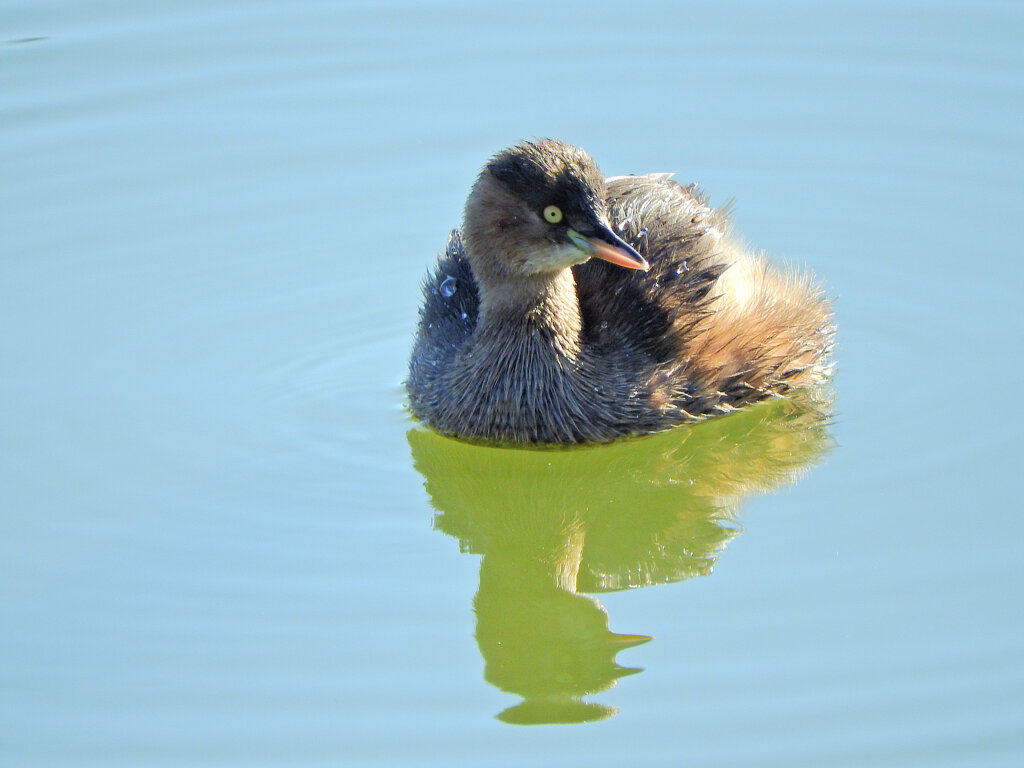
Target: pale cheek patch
{"points": [[552, 258]]}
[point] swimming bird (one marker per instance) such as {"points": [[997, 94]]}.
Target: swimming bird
{"points": [[572, 308]]}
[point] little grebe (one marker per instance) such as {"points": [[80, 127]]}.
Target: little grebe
{"points": [[532, 332]]}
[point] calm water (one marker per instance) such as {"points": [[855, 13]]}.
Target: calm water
{"points": [[222, 542]]}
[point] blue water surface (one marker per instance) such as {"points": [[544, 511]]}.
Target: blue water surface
{"points": [[218, 543]]}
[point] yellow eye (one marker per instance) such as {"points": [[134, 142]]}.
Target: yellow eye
{"points": [[552, 214]]}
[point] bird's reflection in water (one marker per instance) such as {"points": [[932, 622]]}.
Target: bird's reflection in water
{"points": [[552, 525]]}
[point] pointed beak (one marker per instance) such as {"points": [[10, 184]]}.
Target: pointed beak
{"points": [[628, 641], [601, 243]]}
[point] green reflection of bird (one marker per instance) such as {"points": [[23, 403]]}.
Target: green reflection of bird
{"points": [[553, 525]]}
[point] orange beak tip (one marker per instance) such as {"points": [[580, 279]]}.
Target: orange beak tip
{"points": [[619, 256]]}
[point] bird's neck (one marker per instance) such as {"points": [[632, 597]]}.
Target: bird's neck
{"points": [[539, 310]]}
